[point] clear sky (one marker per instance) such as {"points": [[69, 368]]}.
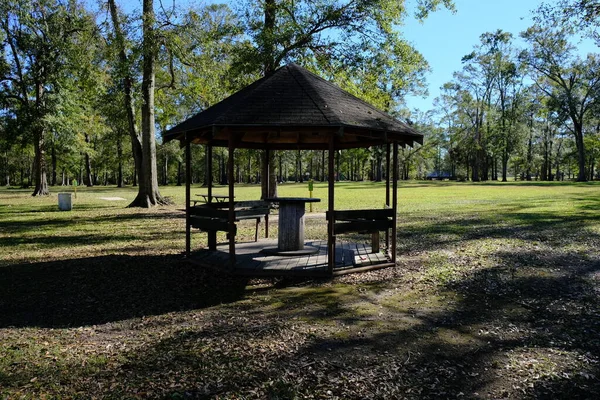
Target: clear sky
{"points": [[444, 38]]}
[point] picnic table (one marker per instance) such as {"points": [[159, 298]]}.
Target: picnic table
{"points": [[219, 198]]}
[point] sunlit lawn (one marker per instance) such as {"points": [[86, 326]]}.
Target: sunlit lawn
{"points": [[495, 296]]}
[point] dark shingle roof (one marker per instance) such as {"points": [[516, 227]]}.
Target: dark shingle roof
{"points": [[294, 98]]}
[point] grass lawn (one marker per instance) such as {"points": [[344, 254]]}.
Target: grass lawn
{"points": [[495, 296]]}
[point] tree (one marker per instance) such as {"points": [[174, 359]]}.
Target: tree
{"points": [[322, 33], [148, 193], [37, 39], [144, 145], [571, 83], [572, 15], [124, 73]]}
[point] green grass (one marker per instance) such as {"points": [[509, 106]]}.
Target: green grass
{"points": [[495, 296]]}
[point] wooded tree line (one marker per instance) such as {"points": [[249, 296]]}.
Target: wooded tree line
{"points": [[85, 92], [530, 111]]}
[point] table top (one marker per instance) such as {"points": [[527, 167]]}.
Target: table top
{"points": [[214, 195], [293, 199], [218, 197]]}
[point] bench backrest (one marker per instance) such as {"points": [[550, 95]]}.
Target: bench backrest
{"points": [[361, 220], [221, 210]]}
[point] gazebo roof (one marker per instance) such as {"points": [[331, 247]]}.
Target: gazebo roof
{"points": [[293, 109]]}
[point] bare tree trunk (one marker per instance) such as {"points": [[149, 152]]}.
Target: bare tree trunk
{"points": [[504, 165], [179, 172], [269, 178], [148, 193], [88, 165], [136, 143], [581, 176], [53, 179], [39, 136], [120, 166], [7, 170]]}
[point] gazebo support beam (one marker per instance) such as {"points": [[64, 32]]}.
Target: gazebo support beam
{"points": [[230, 181], [209, 172], [395, 202], [331, 207], [188, 174], [387, 191]]}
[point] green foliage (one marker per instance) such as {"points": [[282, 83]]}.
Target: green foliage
{"points": [[353, 43]]}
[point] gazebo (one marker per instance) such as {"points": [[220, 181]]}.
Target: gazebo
{"points": [[292, 109]]}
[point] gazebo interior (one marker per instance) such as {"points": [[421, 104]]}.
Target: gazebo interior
{"points": [[293, 109]]}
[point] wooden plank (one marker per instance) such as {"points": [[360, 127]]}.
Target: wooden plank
{"points": [[251, 204], [362, 226], [209, 224], [207, 211], [362, 269], [368, 214]]}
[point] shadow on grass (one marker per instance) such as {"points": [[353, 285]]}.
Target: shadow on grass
{"points": [[513, 222], [60, 220], [494, 341], [90, 291]]}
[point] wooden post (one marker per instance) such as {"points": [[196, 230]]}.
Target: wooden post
{"points": [[375, 242], [212, 235], [267, 177], [387, 191], [331, 207], [188, 174], [230, 179], [209, 183], [395, 202]]}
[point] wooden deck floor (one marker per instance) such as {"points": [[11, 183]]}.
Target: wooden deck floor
{"points": [[349, 257]]}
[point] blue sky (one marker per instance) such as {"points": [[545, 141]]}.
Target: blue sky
{"points": [[444, 38]]}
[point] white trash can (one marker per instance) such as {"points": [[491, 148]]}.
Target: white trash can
{"points": [[64, 202]]}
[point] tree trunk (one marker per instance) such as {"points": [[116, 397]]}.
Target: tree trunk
{"points": [[148, 193], [300, 172], [504, 166], [166, 171], [136, 144], [581, 176], [135, 174], [53, 180], [39, 136], [323, 166], [529, 151], [88, 165], [179, 172], [120, 166], [39, 164], [269, 177]]}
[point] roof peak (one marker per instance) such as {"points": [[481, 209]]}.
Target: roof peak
{"points": [[293, 96]]}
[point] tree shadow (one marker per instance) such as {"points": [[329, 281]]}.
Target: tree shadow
{"points": [[507, 223], [95, 290], [72, 220]]}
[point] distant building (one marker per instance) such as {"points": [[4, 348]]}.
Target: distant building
{"points": [[440, 175]]}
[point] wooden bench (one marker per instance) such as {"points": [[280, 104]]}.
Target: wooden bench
{"points": [[363, 221], [214, 217]]}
